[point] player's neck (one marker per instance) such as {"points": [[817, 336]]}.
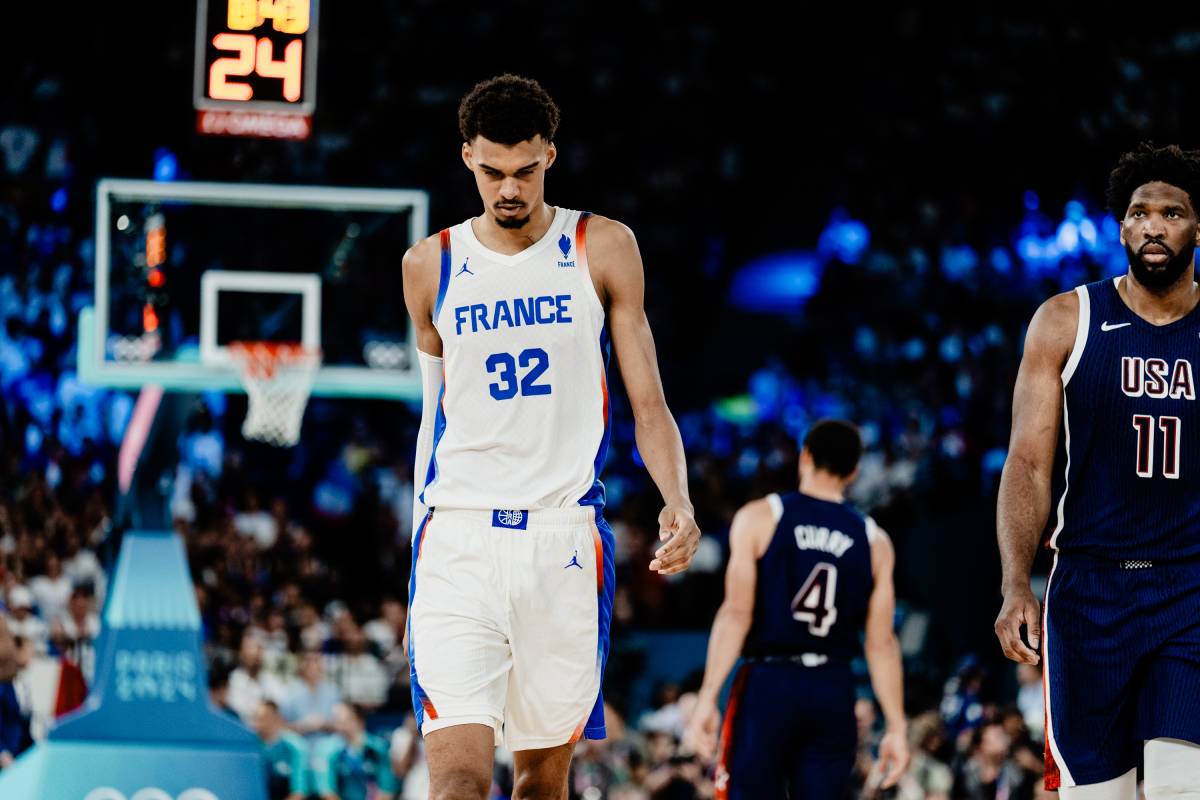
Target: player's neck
{"points": [[1164, 306], [823, 487], [511, 241]]}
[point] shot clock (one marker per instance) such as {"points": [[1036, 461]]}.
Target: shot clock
{"points": [[256, 67]]}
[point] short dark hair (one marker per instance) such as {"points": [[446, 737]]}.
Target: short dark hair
{"points": [[357, 711], [835, 446], [1170, 164], [508, 109]]}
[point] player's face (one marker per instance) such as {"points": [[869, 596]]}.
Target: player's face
{"points": [[511, 178], [1160, 233]]}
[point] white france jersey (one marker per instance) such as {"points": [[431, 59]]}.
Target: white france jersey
{"points": [[523, 419]]}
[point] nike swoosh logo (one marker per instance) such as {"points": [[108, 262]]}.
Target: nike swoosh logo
{"points": [[1104, 326]]}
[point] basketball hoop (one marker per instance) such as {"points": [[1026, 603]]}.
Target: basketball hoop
{"points": [[278, 377]]}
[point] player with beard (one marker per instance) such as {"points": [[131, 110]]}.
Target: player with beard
{"points": [[513, 574], [1114, 363]]}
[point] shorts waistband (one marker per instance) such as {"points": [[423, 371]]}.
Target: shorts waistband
{"points": [[520, 518], [802, 659], [1109, 562]]}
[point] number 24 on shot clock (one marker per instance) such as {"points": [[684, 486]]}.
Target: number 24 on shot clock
{"points": [[256, 56]]}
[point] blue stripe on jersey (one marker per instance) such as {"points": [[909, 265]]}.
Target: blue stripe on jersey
{"points": [[439, 426], [419, 698], [595, 495], [595, 728]]}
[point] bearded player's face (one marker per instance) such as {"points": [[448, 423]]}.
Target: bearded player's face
{"points": [[1160, 232], [511, 177]]}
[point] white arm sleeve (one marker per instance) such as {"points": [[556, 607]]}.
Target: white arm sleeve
{"points": [[431, 390]]}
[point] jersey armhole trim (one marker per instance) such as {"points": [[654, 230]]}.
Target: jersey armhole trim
{"points": [[444, 277], [1081, 333], [872, 530], [776, 504], [582, 257]]}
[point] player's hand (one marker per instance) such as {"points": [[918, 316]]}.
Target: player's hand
{"points": [[1020, 608], [701, 734], [678, 529], [893, 758]]}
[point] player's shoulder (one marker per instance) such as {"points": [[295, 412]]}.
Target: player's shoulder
{"points": [[1053, 325], [426, 253], [883, 552], [606, 235], [1059, 311], [754, 524]]}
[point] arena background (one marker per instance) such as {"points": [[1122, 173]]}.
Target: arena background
{"points": [[839, 215]]}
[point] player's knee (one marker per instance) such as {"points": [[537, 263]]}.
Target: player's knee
{"points": [[1171, 769], [461, 784], [539, 787]]}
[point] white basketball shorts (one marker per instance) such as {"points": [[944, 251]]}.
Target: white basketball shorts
{"points": [[508, 623]]}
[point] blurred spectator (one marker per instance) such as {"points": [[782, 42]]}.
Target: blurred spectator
{"points": [[1031, 698], [962, 708], [408, 760], [989, 771], [23, 622], [250, 683], [928, 778], [354, 764], [285, 755], [218, 689], [353, 666], [256, 523], [310, 699], [52, 590], [314, 631], [77, 630], [14, 723], [387, 630]]}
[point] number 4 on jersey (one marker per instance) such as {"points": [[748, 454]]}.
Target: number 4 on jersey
{"points": [[815, 603]]}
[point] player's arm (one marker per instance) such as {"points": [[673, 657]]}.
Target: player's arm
{"points": [[617, 265], [748, 538], [422, 273], [1024, 502], [882, 649]]}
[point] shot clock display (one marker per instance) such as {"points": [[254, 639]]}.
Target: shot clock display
{"points": [[256, 67]]}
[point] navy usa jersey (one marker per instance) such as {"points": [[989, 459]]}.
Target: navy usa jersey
{"points": [[1131, 431], [814, 581]]}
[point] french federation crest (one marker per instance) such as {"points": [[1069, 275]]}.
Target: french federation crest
{"points": [[564, 244]]}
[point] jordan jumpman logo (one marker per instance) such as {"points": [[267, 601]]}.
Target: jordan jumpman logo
{"points": [[574, 562]]}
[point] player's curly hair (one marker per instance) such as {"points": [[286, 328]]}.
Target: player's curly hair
{"points": [[1170, 164], [508, 109]]}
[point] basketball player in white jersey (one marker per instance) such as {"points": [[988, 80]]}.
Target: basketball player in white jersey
{"points": [[512, 582]]}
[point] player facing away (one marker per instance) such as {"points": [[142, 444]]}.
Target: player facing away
{"points": [[1113, 363], [807, 573], [512, 581]]}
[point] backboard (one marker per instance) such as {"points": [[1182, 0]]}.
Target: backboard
{"points": [[183, 269]]}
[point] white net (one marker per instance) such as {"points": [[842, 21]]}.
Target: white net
{"points": [[278, 378]]}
